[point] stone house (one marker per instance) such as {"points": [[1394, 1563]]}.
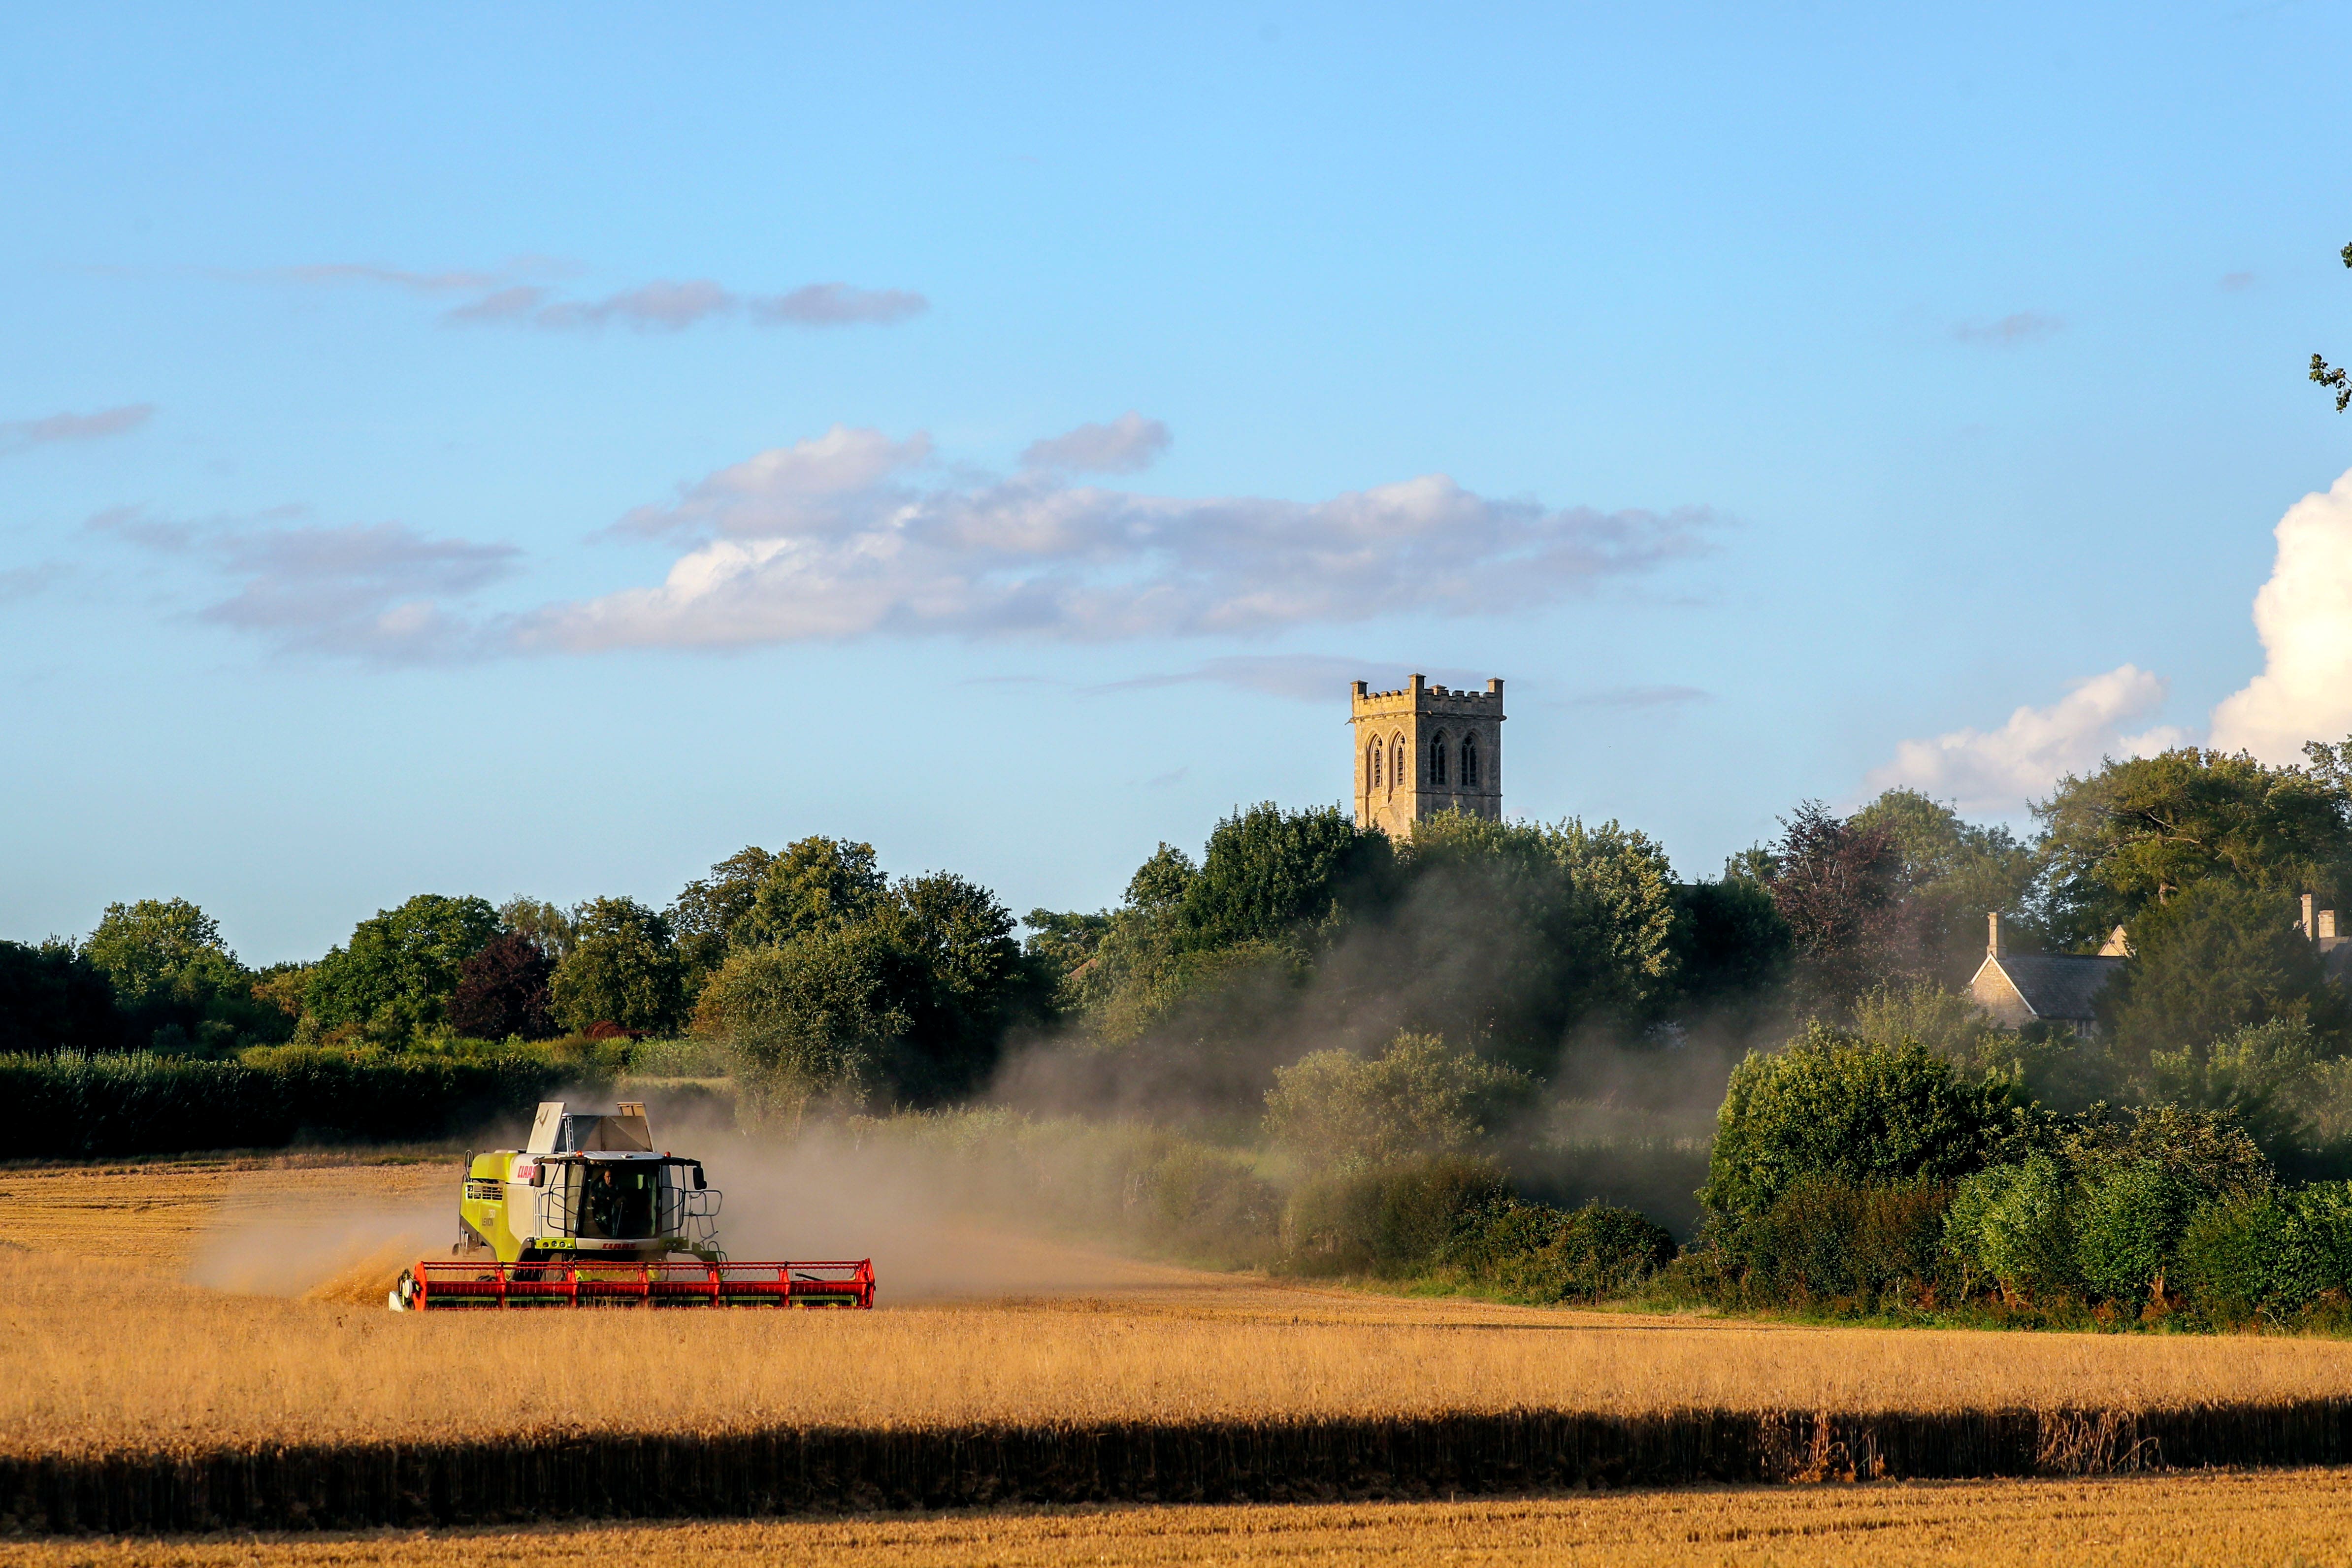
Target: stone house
{"points": [[2021, 989]]}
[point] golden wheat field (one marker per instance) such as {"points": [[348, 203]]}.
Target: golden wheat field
{"points": [[106, 1343], [2214, 1520]]}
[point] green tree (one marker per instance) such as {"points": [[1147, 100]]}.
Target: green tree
{"points": [[2261, 1074], [2218, 956], [1274, 874], [814, 883], [815, 1017], [1829, 1105], [2014, 1224], [546, 926], [624, 970], [1952, 874], [395, 975], [2140, 831], [1335, 1109], [1733, 946], [162, 956], [969, 984], [53, 998], [713, 913]]}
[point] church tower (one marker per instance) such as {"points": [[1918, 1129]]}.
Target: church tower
{"points": [[1423, 750]]}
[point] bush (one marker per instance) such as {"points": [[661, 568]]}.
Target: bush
{"points": [[1827, 1241], [2268, 1254], [1391, 1220], [1537, 1253], [1865, 1116], [1338, 1108], [2127, 1226], [73, 1106], [2014, 1225]]}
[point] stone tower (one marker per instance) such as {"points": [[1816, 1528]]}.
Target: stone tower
{"points": [[1424, 750]]}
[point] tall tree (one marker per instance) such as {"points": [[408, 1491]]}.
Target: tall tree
{"points": [[1838, 888], [1952, 874], [2219, 955], [814, 883], [712, 913], [2139, 830], [624, 970], [53, 998], [504, 990], [395, 975]]}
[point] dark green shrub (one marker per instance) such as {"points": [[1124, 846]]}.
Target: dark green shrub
{"points": [[2271, 1254], [2128, 1229], [1539, 1253], [1864, 1116], [2014, 1225], [1391, 1220], [1829, 1241], [71, 1106]]}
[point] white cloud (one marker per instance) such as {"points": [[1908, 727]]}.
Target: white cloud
{"points": [[21, 435], [2304, 617], [832, 539], [2000, 770], [1128, 444], [374, 590]]}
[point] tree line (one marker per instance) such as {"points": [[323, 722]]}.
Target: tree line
{"points": [[1293, 930]]}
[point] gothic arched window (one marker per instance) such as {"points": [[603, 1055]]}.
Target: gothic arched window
{"points": [[1437, 758], [1372, 765], [1396, 761], [1470, 758]]}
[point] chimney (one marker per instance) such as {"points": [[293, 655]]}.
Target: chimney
{"points": [[2327, 925], [2310, 925], [1994, 946]]}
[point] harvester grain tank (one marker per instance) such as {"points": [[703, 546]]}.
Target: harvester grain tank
{"points": [[591, 1215]]}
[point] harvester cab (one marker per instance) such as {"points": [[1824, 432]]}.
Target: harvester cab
{"points": [[591, 1212]]}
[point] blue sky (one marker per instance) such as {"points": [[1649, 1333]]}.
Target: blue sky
{"points": [[1035, 414]]}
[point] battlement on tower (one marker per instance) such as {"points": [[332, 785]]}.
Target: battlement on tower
{"points": [[1422, 698]]}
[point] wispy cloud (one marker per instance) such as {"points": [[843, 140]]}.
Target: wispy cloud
{"points": [[2000, 769], [379, 591], [525, 293], [839, 537], [1128, 444], [23, 434], [2024, 327], [23, 582]]}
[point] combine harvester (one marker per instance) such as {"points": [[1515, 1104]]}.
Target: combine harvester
{"points": [[589, 1215]]}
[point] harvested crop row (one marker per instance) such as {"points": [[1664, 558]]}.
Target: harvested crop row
{"points": [[2216, 1518]]}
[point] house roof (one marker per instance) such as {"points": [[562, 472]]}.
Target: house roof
{"points": [[2056, 984]]}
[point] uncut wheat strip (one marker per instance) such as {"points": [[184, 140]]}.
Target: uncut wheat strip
{"points": [[156, 1366]]}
